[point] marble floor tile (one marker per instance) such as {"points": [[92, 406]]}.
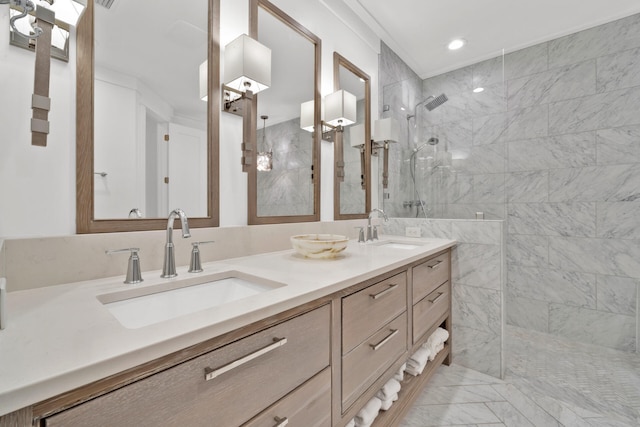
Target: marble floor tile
{"points": [[549, 382]]}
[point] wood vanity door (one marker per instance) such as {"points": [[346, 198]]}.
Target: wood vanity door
{"points": [[182, 396]]}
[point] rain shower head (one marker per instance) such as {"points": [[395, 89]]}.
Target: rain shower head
{"points": [[436, 101]]}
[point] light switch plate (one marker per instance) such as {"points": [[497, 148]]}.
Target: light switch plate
{"points": [[412, 231]]}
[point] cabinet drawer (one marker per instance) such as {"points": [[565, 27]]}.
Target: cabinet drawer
{"points": [[372, 358], [366, 311], [430, 309], [309, 405], [182, 396], [429, 275]]}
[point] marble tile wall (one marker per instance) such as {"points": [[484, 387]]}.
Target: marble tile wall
{"points": [[553, 147], [287, 189], [478, 280]]}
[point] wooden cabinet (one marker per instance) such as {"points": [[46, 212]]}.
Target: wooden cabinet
{"points": [[315, 365], [225, 387]]}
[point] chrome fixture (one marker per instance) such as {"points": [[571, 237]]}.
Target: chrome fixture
{"points": [[430, 103], [195, 266], [169, 266], [135, 213], [134, 274], [372, 232], [265, 158], [27, 7], [360, 234]]}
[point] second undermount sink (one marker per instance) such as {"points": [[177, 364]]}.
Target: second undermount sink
{"points": [[398, 244], [138, 307]]}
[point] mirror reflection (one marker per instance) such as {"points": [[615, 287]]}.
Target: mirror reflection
{"points": [[150, 118], [352, 160], [285, 159]]}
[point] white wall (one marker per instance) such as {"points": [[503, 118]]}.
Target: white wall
{"points": [[37, 185]]}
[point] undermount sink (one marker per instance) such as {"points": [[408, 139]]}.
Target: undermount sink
{"points": [[138, 307], [395, 244]]}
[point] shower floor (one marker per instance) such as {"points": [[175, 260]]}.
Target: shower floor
{"points": [[548, 383]]}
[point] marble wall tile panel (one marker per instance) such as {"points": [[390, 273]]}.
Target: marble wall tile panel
{"points": [[489, 129], [561, 151], [599, 183], [602, 40], [491, 211], [527, 250], [600, 111], [524, 62], [489, 188], [392, 68], [489, 72], [553, 219], [451, 83], [526, 123], [440, 229], [478, 349], [490, 101], [476, 266], [483, 159], [593, 327], [527, 313], [452, 136], [480, 232], [618, 145], [527, 187], [617, 294], [553, 285], [618, 220], [619, 70], [568, 82], [459, 188], [601, 256]]}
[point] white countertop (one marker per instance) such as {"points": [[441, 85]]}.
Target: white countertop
{"points": [[61, 337]]}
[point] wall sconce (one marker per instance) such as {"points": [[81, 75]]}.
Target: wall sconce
{"points": [[356, 140], [67, 13], [247, 71], [337, 111], [385, 131]]}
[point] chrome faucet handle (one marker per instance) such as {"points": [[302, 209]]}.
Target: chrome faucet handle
{"points": [[375, 232], [360, 234], [134, 275], [195, 266]]}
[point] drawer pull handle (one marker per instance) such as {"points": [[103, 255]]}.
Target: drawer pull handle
{"points": [[210, 374], [384, 341], [383, 293], [281, 421], [436, 265], [433, 301]]}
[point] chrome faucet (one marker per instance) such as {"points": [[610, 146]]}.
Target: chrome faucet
{"points": [[169, 266], [372, 232]]}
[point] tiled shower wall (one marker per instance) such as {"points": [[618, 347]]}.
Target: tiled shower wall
{"points": [[478, 276], [555, 150]]}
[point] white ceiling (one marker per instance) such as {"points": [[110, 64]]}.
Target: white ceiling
{"points": [[420, 30]]}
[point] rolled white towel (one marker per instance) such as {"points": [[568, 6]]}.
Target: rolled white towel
{"points": [[420, 357], [438, 337], [415, 370], [351, 423], [399, 376], [391, 388], [369, 413], [435, 351], [386, 404]]}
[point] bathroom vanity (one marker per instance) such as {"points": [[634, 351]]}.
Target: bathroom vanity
{"points": [[309, 353]]}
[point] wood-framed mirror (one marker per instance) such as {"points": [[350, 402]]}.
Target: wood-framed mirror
{"points": [[290, 191], [129, 173], [352, 149]]}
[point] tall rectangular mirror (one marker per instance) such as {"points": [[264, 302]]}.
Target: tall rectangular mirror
{"points": [[147, 129], [284, 183], [352, 148]]}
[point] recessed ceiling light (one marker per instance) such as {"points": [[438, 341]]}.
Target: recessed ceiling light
{"points": [[478, 90], [456, 44]]}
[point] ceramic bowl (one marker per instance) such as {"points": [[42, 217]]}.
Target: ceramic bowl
{"points": [[319, 245]]}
